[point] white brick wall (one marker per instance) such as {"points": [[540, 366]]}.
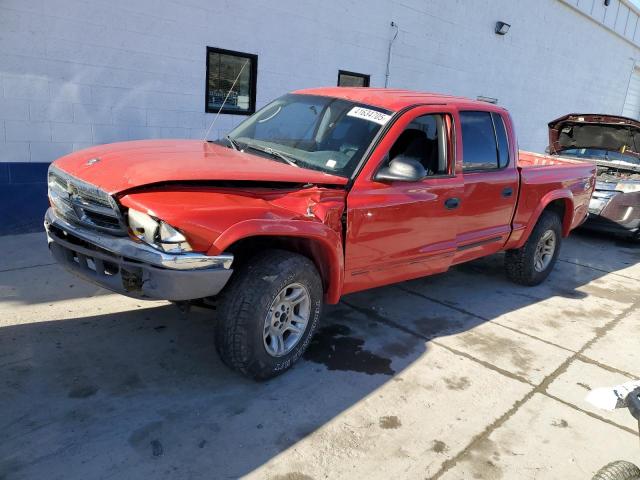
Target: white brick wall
{"points": [[620, 16], [80, 72]]}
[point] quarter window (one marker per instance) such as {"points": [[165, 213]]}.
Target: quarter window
{"points": [[503, 140], [223, 68], [480, 150], [352, 79]]}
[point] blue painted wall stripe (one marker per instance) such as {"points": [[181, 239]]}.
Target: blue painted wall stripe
{"points": [[23, 197]]}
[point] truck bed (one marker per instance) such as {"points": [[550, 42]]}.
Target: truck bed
{"points": [[532, 160], [544, 178]]}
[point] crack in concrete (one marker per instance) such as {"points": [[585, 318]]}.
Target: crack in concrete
{"points": [[28, 267], [591, 414], [540, 388], [14, 362], [597, 269], [480, 317], [455, 351], [609, 368], [484, 363]]}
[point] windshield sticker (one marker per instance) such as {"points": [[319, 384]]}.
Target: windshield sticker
{"points": [[370, 115], [331, 163]]}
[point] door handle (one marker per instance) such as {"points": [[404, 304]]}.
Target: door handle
{"points": [[452, 203], [507, 192]]}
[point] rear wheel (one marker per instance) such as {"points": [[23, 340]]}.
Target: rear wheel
{"points": [[619, 470], [531, 264], [268, 314]]}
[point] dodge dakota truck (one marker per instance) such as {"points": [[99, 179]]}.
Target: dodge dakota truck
{"points": [[321, 193]]}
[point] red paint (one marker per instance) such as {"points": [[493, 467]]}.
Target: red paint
{"points": [[394, 231], [128, 165]]}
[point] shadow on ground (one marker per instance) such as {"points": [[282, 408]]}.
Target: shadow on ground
{"points": [[143, 393]]}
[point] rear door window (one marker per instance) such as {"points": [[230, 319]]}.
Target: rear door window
{"points": [[480, 149]]}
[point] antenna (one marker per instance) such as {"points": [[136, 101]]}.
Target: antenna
{"points": [[388, 72], [225, 101]]}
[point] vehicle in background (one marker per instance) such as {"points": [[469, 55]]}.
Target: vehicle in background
{"points": [[322, 193], [610, 142]]}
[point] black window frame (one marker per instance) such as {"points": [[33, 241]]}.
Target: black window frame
{"points": [[497, 167], [495, 116], [253, 81], [364, 76], [448, 138]]}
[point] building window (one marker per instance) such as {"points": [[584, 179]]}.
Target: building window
{"points": [[351, 79], [223, 67]]}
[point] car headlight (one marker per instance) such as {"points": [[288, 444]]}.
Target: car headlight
{"points": [[157, 233], [628, 187]]}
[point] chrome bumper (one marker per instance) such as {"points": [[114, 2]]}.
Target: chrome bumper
{"points": [[132, 268]]}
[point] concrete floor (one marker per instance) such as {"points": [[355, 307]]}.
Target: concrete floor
{"points": [[462, 375]]}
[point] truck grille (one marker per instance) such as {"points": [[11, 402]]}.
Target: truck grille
{"points": [[84, 204]]}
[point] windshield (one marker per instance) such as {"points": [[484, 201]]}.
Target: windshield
{"points": [[605, 155], [320, 133]]}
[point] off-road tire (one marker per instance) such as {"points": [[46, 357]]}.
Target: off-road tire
{"points": [[619, 470], [245, 302], [520, 263]]}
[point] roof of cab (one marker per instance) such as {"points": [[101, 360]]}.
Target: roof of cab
{"points": [[394, 100]]}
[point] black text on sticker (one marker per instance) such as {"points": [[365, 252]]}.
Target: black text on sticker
{"points": [[370, 115]]}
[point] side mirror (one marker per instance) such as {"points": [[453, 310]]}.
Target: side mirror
{"points": [[402, 169]]}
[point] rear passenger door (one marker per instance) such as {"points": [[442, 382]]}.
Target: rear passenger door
{"points": [[490, 184]]}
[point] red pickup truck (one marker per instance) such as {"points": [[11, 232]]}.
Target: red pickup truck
{"points": [[321, 193]]}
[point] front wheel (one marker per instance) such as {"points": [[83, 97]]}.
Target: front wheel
{"points": [[619, 470], [531, 264], [268, 314]]}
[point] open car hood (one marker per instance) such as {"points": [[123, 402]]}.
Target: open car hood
{"points": [[603, 132], [118, 167]]}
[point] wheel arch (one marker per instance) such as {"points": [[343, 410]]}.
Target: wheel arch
{"points": [[315, 241], [564, 208], [558, 201]]}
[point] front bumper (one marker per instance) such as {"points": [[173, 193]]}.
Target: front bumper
{"points": [[132, 268], [614, 212]]}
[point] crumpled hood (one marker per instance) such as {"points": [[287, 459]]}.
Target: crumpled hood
{"points": [[603, 132], [118, 167]]}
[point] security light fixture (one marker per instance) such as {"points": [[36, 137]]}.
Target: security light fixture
{"points": [[502, 28]]}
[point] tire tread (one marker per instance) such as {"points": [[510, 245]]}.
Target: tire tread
{"points": [[518, 262], [237, 303], [620, 470]]}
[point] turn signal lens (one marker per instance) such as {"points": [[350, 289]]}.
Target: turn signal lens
{"points": [[171, 240], [168, 234]]}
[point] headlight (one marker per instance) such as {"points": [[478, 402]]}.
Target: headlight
{"points": [[628, 187], [157, 233]]}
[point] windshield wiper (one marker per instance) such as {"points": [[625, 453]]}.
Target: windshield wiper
{"points": [[273, 153], [233, 143]]}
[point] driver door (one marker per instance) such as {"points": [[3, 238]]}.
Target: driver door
{"points": [[403, 229]]}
